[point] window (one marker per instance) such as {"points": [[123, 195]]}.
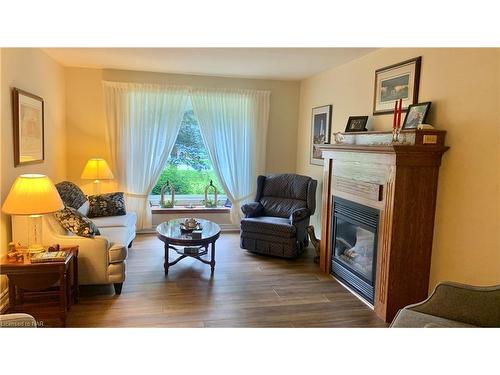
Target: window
{"points": [[188, 169]]}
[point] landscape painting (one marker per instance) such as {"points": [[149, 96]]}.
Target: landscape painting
{"points": [[28, 128], [394, 82], [394, 88]]}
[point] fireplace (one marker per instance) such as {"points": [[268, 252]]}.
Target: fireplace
{"points": [[354, 246], [388, 193]]}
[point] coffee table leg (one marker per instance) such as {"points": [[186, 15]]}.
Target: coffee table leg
{"points": [[165, 265], [212, 260]]}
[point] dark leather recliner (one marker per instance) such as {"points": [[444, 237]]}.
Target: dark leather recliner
{"points": [[275, 224]]}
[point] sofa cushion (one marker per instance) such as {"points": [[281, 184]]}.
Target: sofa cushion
{"points": [[71, 194], [110, 204], [407, 318], [76, 223], [276, 226], [119, 235], [127, 220]]}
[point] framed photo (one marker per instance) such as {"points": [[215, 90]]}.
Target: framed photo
{"points": [[356, 124], [320, 131], [416, 115], [398, 81], [28, 116]]}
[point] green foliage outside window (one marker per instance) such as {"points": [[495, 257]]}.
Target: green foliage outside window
{"points": [[188, 168], [186, 181]]}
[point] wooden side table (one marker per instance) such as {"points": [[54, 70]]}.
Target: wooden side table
{"points": [[39, 281]]}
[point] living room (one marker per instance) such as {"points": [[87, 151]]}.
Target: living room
{"points": [[185, 220]]}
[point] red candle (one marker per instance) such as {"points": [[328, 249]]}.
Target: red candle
{"points": [[399, 112], [394, 123]]}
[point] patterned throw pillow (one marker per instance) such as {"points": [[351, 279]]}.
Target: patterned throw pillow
{"points": [[71, 194], [72, 220], [110, 204]]}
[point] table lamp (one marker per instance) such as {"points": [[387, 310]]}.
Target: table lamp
{"points": [[97, 169], [33, 195]]}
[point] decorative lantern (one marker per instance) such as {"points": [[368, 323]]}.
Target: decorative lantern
{"points": [[209, 202], [168, 203]]}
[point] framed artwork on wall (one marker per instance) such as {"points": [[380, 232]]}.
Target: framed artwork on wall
{"points": [[320, 131], [394, 82], [28, 120], [416, 115], [356, 124]]}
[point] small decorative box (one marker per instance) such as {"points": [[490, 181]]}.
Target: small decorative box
{"points": [[191, 250], [196, 234]]}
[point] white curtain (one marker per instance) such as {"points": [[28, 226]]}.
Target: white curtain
{"points": [[143, 122], [233, 124]]}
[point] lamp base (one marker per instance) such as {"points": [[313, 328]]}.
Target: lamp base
{"points": [[97, 187], [35, 234]]}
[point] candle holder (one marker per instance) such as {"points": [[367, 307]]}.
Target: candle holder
{"points": [[167, 203], [209, 201], [396, 132]]}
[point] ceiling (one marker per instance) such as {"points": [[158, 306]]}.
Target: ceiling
{"points": [[265, 63]]}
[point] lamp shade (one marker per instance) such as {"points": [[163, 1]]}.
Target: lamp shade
{"points": [[97, 169], [32, 194]]}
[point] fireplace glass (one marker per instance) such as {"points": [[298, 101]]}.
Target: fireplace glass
{"points": [[354, 245]]}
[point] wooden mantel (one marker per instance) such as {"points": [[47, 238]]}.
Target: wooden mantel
{"points": [[400, 180]]}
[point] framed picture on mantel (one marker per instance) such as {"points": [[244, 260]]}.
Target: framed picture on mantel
{"points": [[320, 131], [394, 82]]}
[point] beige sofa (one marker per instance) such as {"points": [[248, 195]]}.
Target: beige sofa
{"points": [[102, 259]]}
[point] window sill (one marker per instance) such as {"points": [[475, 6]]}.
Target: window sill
{"points": [[197, 210]]}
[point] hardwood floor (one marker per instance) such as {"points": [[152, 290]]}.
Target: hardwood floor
{"points": [[246, 290]]}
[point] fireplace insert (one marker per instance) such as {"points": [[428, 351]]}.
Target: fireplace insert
{"points": [[354, 245]]}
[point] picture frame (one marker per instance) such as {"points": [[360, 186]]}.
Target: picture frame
{"points": [[416, 115], [28, 122], [356, 124], [394, 82], [320, 131]]}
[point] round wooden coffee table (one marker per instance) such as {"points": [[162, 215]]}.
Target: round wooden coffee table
{"points": [[171, 234]]}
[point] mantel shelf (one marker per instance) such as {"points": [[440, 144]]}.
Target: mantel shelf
{"points": [[384, 149], [412, 140]]}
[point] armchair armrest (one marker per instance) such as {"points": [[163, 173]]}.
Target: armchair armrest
{"points": [[299, 215], [469, 304], [252, 209]]}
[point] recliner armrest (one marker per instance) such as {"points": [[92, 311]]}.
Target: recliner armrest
{"points": [[299, 215], [252, 209]]}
